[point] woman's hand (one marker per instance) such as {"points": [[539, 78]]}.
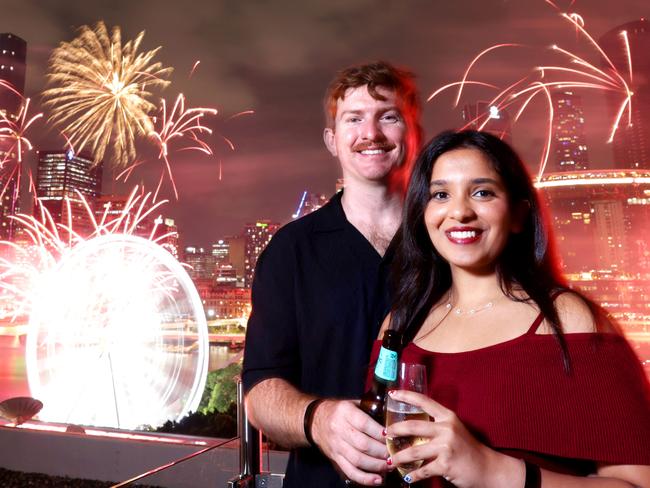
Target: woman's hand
{"points": [[452, 452]]}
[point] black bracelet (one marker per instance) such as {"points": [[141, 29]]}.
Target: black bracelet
{"points": [[533, 475], [309, 420]]}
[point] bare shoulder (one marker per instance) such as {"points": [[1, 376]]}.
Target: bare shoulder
{"points": [[575, 314]]}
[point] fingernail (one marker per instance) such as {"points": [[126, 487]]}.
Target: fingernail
{"points": [[383, 432], [391, 392], [389, 461], [378, 481], [408, 478]]}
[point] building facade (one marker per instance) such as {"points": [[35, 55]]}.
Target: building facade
{"points": [[627, 46], [13, 62], [67, 184], [13, 56], [599, 219], [569, 142], [257, 235]]}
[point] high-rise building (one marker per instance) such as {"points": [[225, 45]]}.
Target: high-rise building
{"points": [[9, 205], [257, 236], [482, 115], [627, 46], [237, 257], [63, 177], [221, 251], [570, 145], [201, 262], [599, 219], [166, 234], [13, 56], [230, 260], [309, 202]]}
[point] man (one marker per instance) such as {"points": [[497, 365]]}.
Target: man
{"points": [[320, 294]]}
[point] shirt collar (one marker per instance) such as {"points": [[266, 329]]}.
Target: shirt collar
{"points": [[332, 215]]}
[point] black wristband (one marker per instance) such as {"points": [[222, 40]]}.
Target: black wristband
{"points": [[309, 419], [533, 475]]}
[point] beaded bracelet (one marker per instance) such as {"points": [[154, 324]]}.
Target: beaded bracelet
{"points": [[309, 419]]}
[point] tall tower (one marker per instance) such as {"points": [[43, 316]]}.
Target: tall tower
{"points": [[631, 143], [64, 175], [257, 236], [13, 55], [570, 146]]}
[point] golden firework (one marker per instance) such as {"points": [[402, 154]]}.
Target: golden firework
{"points": [[99, 91]]}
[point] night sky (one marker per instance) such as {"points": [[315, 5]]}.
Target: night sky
{"points": [[277, 57]]}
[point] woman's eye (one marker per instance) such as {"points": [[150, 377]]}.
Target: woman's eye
{"points": [[439, 195], [484, 193]]}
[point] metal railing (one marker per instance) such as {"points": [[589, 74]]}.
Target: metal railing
{"points": [[250, 453]]}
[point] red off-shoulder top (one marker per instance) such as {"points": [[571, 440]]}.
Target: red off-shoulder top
{"points": [[516, 397]]}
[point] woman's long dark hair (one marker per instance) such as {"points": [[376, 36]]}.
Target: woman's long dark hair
{"points": [[420, 277]]}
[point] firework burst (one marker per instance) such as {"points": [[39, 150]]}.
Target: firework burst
{"points": [[22, 264], [179, 125], [13, 144], [99, 91], [571, 72], [101, 307]]}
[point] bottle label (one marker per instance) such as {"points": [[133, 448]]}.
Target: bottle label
{"points": [[386, 367]]}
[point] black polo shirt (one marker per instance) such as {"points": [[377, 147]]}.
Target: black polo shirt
{"points": [[319, 297]]}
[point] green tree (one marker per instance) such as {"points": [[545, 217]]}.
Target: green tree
{"points": [[220, 393]]}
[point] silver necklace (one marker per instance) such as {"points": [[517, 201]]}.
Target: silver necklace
{"points": [[459, 311]]}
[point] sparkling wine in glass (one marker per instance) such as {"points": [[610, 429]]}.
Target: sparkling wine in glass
{"points": [[411, 377]]}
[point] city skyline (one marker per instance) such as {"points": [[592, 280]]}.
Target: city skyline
{"points": [[277, 60]]}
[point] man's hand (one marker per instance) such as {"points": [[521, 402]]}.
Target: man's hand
{"points": [[351, 439]]}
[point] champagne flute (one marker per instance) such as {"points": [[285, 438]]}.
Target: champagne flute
{"points": [[411, 377]]}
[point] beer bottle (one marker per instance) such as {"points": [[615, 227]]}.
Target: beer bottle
{"points": [[373, 401]]}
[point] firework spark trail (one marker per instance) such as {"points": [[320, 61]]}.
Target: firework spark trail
{"points": [[8, 86], [196, 64], [14, 133], [99, 91], [178, 125], [579, 74], [472, 63], [227, 140], [131, 300], [50, 241]]}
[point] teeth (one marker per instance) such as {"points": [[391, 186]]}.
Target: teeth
{"points": [[369, 152], [465, 234]]}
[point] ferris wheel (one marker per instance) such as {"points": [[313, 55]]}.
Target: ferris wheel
{"points": [[118, 337]]}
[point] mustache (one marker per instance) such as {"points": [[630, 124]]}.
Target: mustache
{"points": [[384, 146]]}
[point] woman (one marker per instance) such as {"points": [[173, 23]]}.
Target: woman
{"points": [[530, 384]]}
